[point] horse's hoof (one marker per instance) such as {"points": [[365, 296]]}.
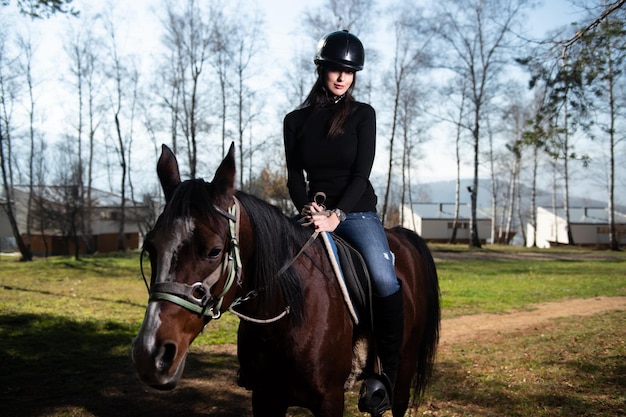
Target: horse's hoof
{"points": [[242, 381]]}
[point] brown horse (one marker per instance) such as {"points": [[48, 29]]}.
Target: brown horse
{"points": [[214, 249]]}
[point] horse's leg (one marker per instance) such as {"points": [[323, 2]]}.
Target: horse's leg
{"points": [[267, 405], [417, 270], [401, 397], [406, 369], [331, 404]]}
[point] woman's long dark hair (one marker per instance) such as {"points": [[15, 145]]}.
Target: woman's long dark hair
{"points": [[319, 97]]}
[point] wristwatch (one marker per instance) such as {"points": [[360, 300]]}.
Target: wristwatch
{"points": [[340, 214]]}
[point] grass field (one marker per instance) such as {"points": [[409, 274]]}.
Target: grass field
{"points": [[471, 286], [66, 327]]}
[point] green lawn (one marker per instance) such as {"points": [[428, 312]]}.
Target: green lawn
{"points": [[110, 288], [66, 328], [471, 287]]}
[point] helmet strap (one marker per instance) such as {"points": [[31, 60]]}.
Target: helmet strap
{"points": [[335, 99]]}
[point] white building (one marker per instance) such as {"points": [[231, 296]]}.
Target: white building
{"points": [[589, 226], [434, 221]]}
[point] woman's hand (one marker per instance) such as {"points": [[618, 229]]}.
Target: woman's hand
{"points": [[319, 217]]}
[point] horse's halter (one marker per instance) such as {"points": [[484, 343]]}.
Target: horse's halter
{"points": [[197, 296]]}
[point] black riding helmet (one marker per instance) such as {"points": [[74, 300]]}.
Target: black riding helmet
{"points": [[340, 48]]}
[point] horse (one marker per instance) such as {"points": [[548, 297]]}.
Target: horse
{"points": [[215, 249]]}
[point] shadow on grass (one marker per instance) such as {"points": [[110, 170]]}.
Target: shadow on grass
{"points": [[108, 265], [60, 294], [53, 366]]}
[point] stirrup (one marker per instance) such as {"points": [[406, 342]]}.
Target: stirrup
{"points": [[375, 395]]}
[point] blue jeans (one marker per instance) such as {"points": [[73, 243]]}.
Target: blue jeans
{"points": [[365, 232]]}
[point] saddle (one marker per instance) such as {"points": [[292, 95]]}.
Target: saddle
{"points": [[352, 276]]}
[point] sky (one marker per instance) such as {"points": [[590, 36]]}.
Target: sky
{"points": [[282, 19]]}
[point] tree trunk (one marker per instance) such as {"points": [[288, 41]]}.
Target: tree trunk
{"points": [[474, 241], [520, 217], [613, 237], [457, 153], [570, 237], [391, 142], [533, 195], [494, 191], [512, 195], [121, 243], [23, 248]]}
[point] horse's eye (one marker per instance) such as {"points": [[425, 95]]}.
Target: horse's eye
{"points": [[214, 253]]}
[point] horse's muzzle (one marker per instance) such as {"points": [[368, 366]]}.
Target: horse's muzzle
{"points": [[157, 365]]}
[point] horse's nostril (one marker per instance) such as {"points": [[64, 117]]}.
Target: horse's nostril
{"points": [[165, 356]]}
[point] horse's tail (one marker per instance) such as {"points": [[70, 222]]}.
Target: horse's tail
{"points": [[428, 345]]}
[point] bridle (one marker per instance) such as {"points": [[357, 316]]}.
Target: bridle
{"points": [[197, 297]]}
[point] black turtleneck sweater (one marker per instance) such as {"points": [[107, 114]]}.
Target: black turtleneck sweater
{"points": [[340, 167]]}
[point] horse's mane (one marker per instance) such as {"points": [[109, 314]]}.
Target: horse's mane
{"points": [[277, 239]]}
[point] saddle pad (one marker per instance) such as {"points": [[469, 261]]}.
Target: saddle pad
{"points": [[351, 273]]}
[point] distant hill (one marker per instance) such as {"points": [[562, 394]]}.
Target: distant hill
{"points": [[444, 192]]}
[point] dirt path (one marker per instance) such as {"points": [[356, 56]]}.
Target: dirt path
{"points": [[208, 386], [465, 328], [476, 326], [461, 329]]}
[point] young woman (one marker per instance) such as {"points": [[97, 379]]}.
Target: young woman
{"points": [[330, 141]]}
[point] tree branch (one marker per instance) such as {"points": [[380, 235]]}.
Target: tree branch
{"points": [[579, 34]]}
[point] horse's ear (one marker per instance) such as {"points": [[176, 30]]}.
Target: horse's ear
{"points": [[167, 169], [224, 178]]}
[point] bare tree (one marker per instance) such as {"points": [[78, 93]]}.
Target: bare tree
{"points": [[457, 154], [81, 49], [352, 15], [189, 37], [535, 136], [123, 86], [60, 207], [26, 67], [168, 88], [515, 116], [8, 91], [478, 35], [222, 63], [494, 160], [410, 56], [39, 214], [520, 215], [246, 39], [94, 113]]}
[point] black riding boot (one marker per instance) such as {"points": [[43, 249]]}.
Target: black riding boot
{"points": [[377, 392]]}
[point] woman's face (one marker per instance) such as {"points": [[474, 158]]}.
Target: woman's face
{"points": [[338, 80]]}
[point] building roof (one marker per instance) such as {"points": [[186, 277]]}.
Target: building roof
{"points": [[445, 211], [588, 215], [58, 194]]}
